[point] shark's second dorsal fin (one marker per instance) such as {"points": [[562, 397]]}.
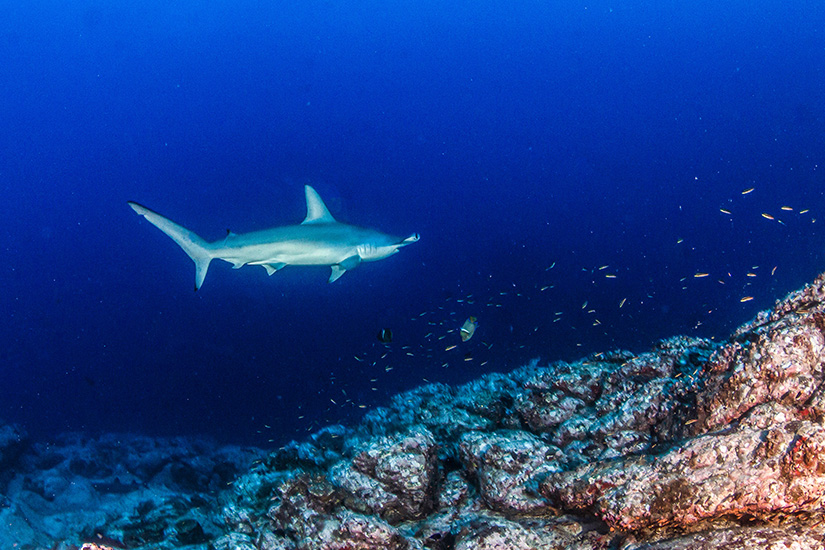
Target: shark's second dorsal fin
{"points": [[316, 209]]}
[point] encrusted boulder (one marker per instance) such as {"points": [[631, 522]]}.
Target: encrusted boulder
{"points": [[790, 537], [504, 464], [754, 450], [748, 473], [780, 361], [391, 476]]}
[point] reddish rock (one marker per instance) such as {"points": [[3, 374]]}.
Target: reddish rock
{"points": [[391, 476], [503, 465]]}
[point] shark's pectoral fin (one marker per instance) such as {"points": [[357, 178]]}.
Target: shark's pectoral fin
{"points": [[272, 268], [351, 263], [337, 271], [340, 268]]}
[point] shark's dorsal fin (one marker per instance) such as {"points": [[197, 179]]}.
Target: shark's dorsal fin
{"points": [[316, 209]]}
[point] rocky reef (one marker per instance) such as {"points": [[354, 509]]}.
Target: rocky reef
{"points": [[116, 491], [693, 445]]}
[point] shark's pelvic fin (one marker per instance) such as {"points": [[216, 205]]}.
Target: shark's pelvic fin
{"points": [[192, 244], [316, 209]]}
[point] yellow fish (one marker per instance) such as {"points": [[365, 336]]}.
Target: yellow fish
{"points": [[468, 328]]}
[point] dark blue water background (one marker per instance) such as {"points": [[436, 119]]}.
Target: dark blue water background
{"points": [[529, 143]]}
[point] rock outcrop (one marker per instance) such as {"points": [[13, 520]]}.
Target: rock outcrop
{"points": [[694, 444]]}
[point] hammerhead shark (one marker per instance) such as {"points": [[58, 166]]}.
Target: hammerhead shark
{"points": [[318, 240]]}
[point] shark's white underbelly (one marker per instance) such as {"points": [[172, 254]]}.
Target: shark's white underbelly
{"points": [[288, 253]]}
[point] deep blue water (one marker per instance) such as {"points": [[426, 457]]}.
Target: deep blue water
{"points": [[513, 136]]}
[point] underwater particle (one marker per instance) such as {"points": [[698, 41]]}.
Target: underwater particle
{"points": [[610, 276], [787, 209], [451, 347], [804, 211], [385, 335], [622, 302], [773, 270], [700, 275], [604, 267], [468, 328], [751, 275], [723, 211], [746, 299], [468, 356], [680, 241], [748, 190], [767, 216]]}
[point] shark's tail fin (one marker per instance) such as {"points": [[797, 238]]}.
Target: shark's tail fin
{"points": [[197, 248]]}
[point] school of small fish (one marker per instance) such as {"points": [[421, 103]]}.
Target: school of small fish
{"points": [[455, 332]]}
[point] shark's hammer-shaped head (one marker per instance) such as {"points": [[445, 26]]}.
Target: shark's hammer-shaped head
{"points": [[383, 247]]}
